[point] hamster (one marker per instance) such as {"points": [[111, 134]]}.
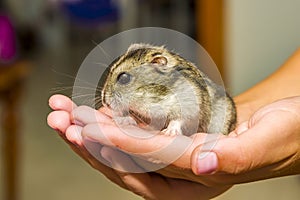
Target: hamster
{"points": [[153, 86]]}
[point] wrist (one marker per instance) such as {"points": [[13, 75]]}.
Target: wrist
{"points": [[281, 84]]}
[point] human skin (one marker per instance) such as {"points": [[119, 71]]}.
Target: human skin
{"points": [[265, 144]]}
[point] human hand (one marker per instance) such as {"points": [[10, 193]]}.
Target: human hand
{"points": [[245, 155], [268, 147], [148, 185]]}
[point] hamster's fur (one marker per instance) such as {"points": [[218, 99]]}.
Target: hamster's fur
{"points": [[152, 85]]}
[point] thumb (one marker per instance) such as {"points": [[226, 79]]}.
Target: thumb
{"points": [[227, 156], [236, 154]]}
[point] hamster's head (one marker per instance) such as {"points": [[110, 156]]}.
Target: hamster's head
{"points": [[139, 79]]}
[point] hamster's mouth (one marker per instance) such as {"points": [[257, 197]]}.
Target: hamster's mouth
{"points": [[139, 118], [144, 121]]}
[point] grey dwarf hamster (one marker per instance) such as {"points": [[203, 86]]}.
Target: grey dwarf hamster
{"points": [[154, 86]]}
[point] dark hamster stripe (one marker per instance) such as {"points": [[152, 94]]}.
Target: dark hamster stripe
{"points": [[190, 73], [136, 54]]}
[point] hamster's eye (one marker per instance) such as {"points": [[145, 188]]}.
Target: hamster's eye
{"points": [[124, 78]]}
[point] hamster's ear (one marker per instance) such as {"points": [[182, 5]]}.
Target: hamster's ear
{"points": [[160, 60]]}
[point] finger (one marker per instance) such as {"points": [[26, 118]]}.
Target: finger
{"points": [[112, 135], [119, 161], [158, 148], [73, 134], [59, 120], [153, 153], [95, 162], [154, 186], [133, 140], [86, 115], [61, 102], [137, 140], [139, 183]]}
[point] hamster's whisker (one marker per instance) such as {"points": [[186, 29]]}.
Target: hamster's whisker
{"points": [[108, 57], [59, 89], [89, 99], [97, 89], [83, 95], [64, 74], [101, 64], [65, 88], [85, 82], [73, 78]]}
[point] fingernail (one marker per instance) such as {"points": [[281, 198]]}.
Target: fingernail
{"points": [[207, 163]]}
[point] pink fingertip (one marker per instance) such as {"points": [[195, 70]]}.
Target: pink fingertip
{"points": [[73, 134], [61, 102], [58, 120]]}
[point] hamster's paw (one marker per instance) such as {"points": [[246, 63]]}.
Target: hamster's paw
{"points": [[173, 129], [125, 121]]}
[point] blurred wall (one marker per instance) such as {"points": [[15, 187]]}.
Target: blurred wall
{"points": [[260, 36], [26, 11]]}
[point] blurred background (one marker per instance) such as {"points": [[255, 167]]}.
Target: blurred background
{"points": [[43, 43]]}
